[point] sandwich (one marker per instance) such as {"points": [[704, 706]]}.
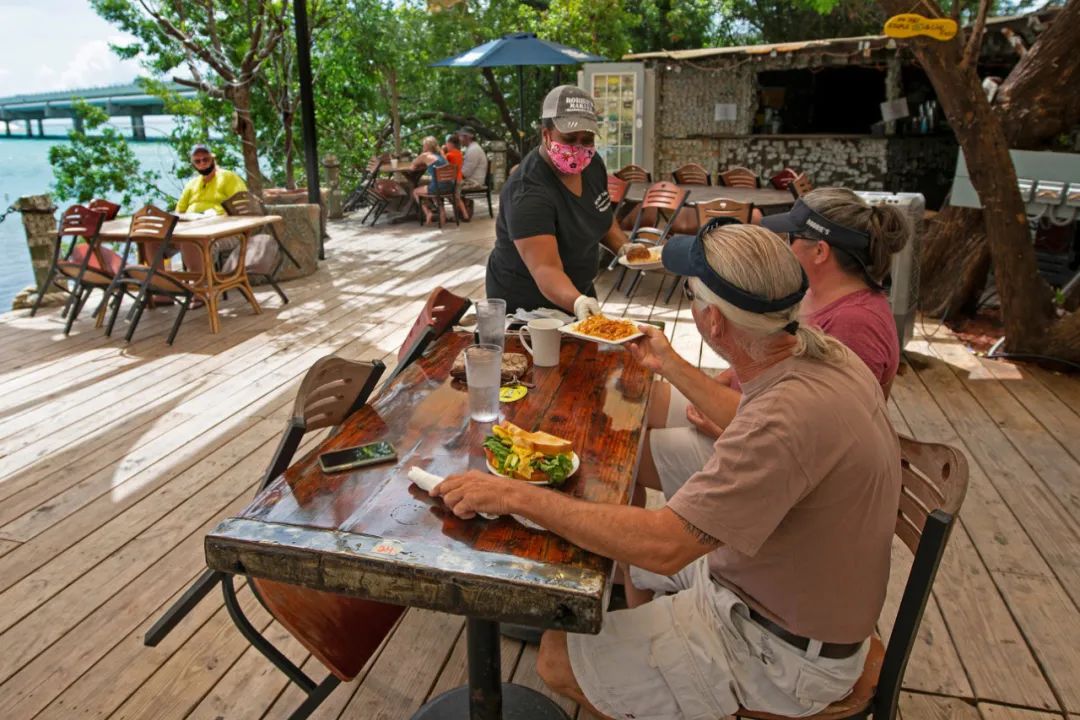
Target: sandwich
{"points": [[532, 456]]}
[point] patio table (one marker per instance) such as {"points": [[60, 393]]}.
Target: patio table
{"points": [[768, 200], [371, 533], [204, 232]]}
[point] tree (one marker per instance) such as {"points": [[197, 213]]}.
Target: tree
{"points": [[1031, 322], [79, 173], [223, 44]]}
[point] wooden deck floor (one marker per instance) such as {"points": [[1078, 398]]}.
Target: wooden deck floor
{"points": [[115, 460]]}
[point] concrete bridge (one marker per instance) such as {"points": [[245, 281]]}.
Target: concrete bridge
{"points": [[117, 100]]}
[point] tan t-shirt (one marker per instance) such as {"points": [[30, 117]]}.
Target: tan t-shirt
{"points": [[803, 489]]}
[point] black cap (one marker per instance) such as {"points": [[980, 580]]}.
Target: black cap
{"points": [[685, 255], [804, 221], [467, 130]]}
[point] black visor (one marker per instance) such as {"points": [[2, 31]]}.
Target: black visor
{"points": [[685, 255]]}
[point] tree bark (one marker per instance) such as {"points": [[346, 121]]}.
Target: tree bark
{"points": [[245, 128], [1025, 298], [395, 108], [1036, 103]]}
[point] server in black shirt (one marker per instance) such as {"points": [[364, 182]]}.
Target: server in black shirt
{"points": [[554, 212]]}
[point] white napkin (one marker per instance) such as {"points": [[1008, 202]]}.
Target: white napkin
{"points": [[427, 482], [527, 315]]}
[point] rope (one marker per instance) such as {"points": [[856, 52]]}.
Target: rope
{"points": [[3, 215]]}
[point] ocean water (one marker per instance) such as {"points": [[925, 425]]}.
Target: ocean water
{"points": [[25, 170]]}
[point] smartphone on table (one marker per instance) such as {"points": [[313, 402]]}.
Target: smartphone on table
{"points": [[354, 457]]}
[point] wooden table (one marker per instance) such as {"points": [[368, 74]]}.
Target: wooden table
{"points": [[207, 284], [370, 533], [767, 199]]}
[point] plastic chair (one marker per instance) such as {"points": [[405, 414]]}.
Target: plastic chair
{"points": [[666, 200], [360, 196], [738, 177], [703, 212], [800, 186], [150, 224], [109, 209], [634, 174], [441, 312], [82, 265], [244, 203], [935, 479], [342, 632], [692, 174], [782, 179]]}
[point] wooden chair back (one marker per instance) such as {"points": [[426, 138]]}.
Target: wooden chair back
{"points": [[800, 186], [616, 188], [152, 223], [663, 200], [80, 221], [664, 196], [634, 174], [109, 209], [692, 174], [243, 203], [782, 179], [441, 312], [739, 177], [342, 632], [446, 174], [724, 207], [933, 485]]}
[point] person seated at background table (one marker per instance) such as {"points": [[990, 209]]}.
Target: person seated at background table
{"points": [[554, 213], [845, 246], [452, 151], [431, 157], [475, 165], [775, 553], [202, 194]]}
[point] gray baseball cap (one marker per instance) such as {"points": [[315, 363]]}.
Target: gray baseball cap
{"points": [[572, 110]]}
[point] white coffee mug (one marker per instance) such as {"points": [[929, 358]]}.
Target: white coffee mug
{"points": [[546, 339]]}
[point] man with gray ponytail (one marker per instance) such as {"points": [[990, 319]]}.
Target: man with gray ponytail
{"points": [[761, 580]]}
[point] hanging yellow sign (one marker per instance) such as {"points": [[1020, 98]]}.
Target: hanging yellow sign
{"points": [[910, 25]]}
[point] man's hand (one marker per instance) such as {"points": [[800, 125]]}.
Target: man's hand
{"points": [[653, 351], [585, 306], [704, 425], [475, 492]]}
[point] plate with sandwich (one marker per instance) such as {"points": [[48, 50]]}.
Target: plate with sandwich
{"points": [[538, 458], [643, 258]]}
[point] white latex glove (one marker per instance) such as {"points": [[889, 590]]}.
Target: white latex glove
{"points": [[626, 247], [585, 306]]}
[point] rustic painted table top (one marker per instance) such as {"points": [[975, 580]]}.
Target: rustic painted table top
{"points": [[373, 534], [761, 197]]}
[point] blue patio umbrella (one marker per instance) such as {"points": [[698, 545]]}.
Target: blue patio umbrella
{"points": [[518, 50]]}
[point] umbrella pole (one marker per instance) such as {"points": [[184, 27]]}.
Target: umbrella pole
{"points": [[521, 112]]}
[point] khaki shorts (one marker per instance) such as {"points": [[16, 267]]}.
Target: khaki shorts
{"points": [[678, 450], [696, 655]]}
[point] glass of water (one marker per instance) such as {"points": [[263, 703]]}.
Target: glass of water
{"points": [[491, 321], [483, 374]]}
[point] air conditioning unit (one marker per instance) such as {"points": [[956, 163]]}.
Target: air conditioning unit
{"points": [[904, 276]]}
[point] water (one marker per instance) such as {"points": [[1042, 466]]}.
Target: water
{"points": [[25, 170], [483, 374], [491, 322]]}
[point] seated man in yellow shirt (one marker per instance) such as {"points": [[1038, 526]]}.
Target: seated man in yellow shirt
{"points": [[204, 192]]}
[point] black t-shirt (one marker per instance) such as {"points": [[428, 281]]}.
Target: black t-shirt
{"points": [[535, 202]]}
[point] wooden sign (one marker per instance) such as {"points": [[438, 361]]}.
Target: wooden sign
{"points": [[910, 25]]}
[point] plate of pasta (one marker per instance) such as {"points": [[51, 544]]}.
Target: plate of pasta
{"points": [[602, 329]]}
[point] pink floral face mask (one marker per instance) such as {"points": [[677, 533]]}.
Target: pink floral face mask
{"points": [[570, 159]]}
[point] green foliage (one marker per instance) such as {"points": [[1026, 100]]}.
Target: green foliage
{"points": [[97, 162]]}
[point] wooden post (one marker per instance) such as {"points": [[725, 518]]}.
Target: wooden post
{"points": [[497, 164], [40, 226], [333, 181]]}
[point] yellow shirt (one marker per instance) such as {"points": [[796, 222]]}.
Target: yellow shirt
{"points": [[200, 196]]}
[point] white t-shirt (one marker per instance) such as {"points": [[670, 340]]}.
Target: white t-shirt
{"points": [[475, 164]]}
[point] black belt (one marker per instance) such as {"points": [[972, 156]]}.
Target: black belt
{"points": [[833, 651]]}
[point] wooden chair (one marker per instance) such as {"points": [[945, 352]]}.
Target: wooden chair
{"points": [[109, 209], [445, 175], [484, 191], [342, 632], [82, 265], [666, 200], [140, 281], [381, 192], [782, 179], [441, 312], [634, 174], [361, 195], [935, 479], [692, 174], [738, 177], [800, 186], [617, 188], [244, 203]]}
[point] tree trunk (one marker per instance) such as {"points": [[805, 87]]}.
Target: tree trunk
{"points": [[395, 108], [494, 92], [245, 128], [287, 126], [1036, 103], [1025, 298]]}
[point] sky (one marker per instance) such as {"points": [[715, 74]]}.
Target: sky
{"points": [[58, 45]]}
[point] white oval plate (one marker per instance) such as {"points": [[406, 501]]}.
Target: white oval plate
{"points": [[574, 460]]}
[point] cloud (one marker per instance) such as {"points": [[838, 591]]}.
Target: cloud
{"points": [[93, 64]]}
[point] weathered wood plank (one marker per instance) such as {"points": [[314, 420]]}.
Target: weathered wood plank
{"points": [[526, 675], [916, 706], [990, 711]]}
